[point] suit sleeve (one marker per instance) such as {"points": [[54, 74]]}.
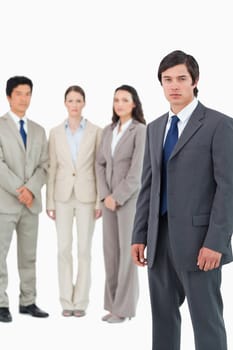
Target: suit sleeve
{"points": [[39, 176], [221, 219], [9, 180], [52, 168], [143, 202], [100, 166], [130, 184], [98, 141]]}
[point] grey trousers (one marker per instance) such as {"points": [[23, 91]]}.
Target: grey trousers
{"points": [[121, 283], [168, 288], [26, 226]]}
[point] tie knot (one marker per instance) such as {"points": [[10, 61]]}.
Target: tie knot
{"points": [[21, 122], [175, 119]]}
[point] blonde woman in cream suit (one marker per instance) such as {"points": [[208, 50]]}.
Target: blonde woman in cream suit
{"points": [[119, 164], [72, 193]]}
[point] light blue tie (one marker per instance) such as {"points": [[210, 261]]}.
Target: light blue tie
{"points": [[170, 142], [22, 132]]}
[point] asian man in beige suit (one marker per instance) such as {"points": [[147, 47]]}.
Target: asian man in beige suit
{"points": [[23, 165], [72, 193]]}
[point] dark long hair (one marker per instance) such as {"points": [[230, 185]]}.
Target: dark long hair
{"points": [[137, 112], [179, 57]]}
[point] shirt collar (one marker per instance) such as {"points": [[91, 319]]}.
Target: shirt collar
{"points": [[16, 118], [125, 125], [81, 125], [186, 112]]}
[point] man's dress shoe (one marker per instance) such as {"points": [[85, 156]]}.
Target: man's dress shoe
{"points": [[32, 310], [5, 315]]}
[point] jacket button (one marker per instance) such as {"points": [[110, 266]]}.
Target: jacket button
{"points": [[73, 174]]}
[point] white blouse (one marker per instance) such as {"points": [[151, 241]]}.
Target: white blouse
{"points": [[117, 135]]}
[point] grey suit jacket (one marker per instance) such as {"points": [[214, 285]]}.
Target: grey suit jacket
{"points": [[200, 188], [20, 167], [120, 175]]}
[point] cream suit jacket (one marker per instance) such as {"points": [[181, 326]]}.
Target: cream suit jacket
{"points": [[120, 175], [20, 167], [63, 175]]}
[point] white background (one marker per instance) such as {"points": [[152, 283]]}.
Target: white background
{"points": [[101, 45]]}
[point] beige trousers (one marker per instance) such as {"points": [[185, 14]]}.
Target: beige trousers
{"points": [[26, 226], [121, 283], [74, 295]]}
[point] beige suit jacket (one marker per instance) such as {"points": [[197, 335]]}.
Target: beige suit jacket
{"points": [[63, 175], [20, 167], [120, 175]]}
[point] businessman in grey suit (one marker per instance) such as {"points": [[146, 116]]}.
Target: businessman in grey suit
{"points": [[23, 168], [184, 214]]}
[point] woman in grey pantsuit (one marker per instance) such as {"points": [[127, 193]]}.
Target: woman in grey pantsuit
{"points": [[118, 166]]}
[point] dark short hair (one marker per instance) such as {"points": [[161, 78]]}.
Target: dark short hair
{"points": [[13, 82], [137, 112], [76, 88], [179, 57]]}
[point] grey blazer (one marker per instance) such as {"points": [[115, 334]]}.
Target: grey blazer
{"points": [[120, 175], [20, 167], [200, 188]]}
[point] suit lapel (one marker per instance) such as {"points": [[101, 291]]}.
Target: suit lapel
{"points": [[84, 143], [158, 138], [108, 143], [194, 123], [30, 134], [124, 136], [64, 143], [15, 131]]}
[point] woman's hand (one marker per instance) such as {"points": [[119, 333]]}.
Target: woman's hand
{"points": [[51, 214], [98, 213], [110, 203]]}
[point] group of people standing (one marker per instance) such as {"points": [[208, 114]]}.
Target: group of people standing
{"points": [[93, 173], [89, 173], [165, 189]]}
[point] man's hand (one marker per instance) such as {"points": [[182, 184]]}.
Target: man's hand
{"points": [[110, 203], [25, 196], [208, 259], [51, 214], [137, 253]]}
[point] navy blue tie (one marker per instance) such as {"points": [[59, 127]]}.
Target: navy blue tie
{"points": [[22, 132], [171, 140]]}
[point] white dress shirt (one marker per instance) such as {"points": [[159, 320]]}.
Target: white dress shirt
{"points": [[117, 135], [184, 116], [17, 119]]}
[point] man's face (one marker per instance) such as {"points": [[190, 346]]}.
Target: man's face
{"points": [[178, 87], [20, 99]]}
